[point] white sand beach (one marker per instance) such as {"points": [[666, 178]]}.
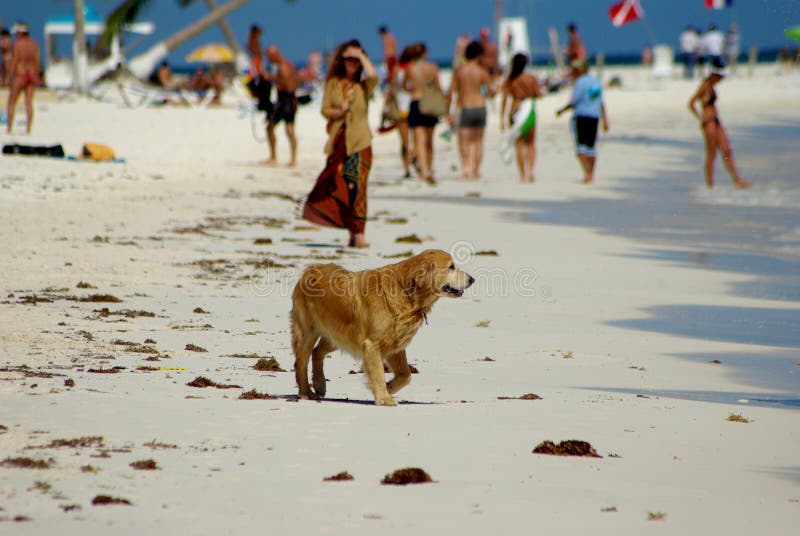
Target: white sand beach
{"points": [[610, 302]]}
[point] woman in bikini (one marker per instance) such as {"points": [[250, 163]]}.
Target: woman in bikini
{"points": [[521, 86], [419, 74], [25, 74], [713, 131]]}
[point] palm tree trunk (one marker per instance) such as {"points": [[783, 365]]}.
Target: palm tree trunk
{"points": [[242, 60], [80, 57], [226, 29], [142, 65], [179, 38]]}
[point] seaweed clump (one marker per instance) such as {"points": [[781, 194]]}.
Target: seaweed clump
{"points": [[409, 475], [202, 381], [571, 447]]}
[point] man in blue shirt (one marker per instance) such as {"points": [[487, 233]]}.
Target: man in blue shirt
{"points": [[588, 110]]}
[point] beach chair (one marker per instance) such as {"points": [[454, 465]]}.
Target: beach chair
{"points": [[663, 59]]}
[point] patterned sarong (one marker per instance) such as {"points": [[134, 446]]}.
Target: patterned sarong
{"points": [[339, 197]]}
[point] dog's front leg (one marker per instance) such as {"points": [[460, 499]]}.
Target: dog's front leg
{"points": [[402, 373], [373, 367]]}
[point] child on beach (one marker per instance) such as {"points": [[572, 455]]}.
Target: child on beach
{"points": [[588, 111]]}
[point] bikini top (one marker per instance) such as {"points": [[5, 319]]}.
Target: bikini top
{"points": [[711, 99]]}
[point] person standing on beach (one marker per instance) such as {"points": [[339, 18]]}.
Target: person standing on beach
{"points": [[259, 85], [489, 58], [733, 47], [713, 131], [689, 42], [712, 45], [575, 49], [389, 52], [285, 108], [339, 197], [522, 87], [25, 68], [421, 75], [5, 57], [460, 49], [401, 100], [469, 83], [588, 110]]}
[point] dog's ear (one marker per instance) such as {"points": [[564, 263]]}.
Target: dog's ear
{"points": [[420, 277]]}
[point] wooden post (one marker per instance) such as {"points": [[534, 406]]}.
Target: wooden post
{"points": [[80, 56], [751, 63], [556, 50], [599, 63]]}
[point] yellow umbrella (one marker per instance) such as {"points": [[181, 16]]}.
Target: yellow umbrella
{"points": [[211, 53]]}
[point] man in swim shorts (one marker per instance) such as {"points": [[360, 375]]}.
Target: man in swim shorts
{"points": [[25, 67], [389, 43], [470, 81], [286, 82], [588, 111]]}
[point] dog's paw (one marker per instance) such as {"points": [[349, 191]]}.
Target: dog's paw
{"points": [[388, 401], [320, 387], [308, 396]]}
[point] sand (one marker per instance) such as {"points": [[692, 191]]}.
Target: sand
{"points": [[568, 309]]}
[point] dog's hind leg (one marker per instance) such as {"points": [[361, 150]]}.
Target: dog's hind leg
{"points": [[322, 349], [302, 343], [373, 367], [402, 373]]}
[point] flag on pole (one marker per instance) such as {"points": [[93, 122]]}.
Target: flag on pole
{"points": [[718, 4], [626, 11]]}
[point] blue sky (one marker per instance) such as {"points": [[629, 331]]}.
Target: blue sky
{"points": [[300, 27]]}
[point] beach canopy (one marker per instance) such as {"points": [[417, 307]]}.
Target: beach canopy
{"points": [[94, 24], [211, 53], [793, 33]]}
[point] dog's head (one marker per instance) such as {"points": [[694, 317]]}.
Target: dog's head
{"points": [[433, 273]]}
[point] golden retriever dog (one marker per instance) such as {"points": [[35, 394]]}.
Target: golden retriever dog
{"points": [[371, 314]]}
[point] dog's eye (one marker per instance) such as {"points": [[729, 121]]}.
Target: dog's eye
{"points": [[452, 266]]}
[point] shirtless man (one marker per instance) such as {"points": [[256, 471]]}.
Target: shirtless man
{"points": [[24, 71], [469, 80], [286, 82], [389, 52]]}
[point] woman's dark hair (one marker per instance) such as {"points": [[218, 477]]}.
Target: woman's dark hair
{"points": [[518, 63], [411, 52], [337, 69], [474, 50]]}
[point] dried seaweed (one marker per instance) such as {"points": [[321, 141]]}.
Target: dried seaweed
{"points": [[571, 447], [409, 475]]}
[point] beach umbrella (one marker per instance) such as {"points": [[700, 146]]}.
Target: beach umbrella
{"points": [[793, 33], [211, 53]]}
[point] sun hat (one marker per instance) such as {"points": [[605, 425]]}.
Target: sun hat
{"points": [[20, 27]]}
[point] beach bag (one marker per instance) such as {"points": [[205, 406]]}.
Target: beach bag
{"points": [[432, 102], [98, 152], [391, 111], [260, 89]]}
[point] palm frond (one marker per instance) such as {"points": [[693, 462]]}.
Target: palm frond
{"points": [[126, 13]]}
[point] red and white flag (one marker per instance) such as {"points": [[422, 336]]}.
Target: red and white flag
{"points": [[624, 12], [718, 4]]}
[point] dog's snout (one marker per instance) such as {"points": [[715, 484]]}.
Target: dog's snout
{"points": [[470, 281]]}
